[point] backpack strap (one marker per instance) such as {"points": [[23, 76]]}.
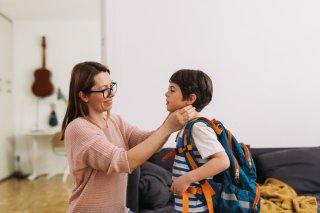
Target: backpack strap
{"points": [[206, 188]]}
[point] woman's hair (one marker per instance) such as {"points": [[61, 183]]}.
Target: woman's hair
{"points": [[194, 81], [81, 80]]}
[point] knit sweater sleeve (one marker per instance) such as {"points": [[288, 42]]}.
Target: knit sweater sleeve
{"points": [[133, 134], [88, 147]]}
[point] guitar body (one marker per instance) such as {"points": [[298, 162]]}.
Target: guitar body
{"points": [[42, 86]]}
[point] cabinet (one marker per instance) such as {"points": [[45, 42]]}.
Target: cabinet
{"points": [[6, 99]]}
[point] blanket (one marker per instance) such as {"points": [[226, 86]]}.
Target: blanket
{"points": [[154, 186], [278, 197]]}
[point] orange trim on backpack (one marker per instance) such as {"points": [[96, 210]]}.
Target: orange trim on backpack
{"points": [[247, 154], [185, 143], [185, 202], [230, 140], [174, 151], [194, 190], [192, 163], [206, 186], [236, 169], [205, 189], [256, 199], [213, 124], [168, 155], [208, 192]]}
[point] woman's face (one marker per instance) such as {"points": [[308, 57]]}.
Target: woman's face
{"points": [[174, 98], [96, 102]]}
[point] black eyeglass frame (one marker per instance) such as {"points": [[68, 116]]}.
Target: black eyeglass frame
{"points": [[112, 88]]}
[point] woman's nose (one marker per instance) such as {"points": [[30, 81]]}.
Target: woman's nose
{"points": [[112, 94]]}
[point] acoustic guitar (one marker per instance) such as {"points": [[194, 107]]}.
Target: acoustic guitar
{"points": [[42, 86]]}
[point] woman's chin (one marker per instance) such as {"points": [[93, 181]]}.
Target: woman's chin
{"points": [[106, 108]]}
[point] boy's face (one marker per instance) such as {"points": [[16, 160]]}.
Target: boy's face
{"points": [[174, 98]]}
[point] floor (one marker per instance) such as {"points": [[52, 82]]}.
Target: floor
{"points": [[38, 196]]}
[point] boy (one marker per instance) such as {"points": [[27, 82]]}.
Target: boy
{"points": [[194, 87]]}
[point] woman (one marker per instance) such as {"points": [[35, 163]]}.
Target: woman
{"points": [[102, 147]]}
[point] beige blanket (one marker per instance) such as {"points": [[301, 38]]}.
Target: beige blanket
{"points": [[278, 197]]}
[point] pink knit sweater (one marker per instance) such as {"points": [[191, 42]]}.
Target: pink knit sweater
{"points": [[99, 164]]}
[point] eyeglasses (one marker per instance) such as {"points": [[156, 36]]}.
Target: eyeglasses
{"points": [[106, 92]]}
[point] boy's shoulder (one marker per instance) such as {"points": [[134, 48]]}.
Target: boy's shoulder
{"points": [[199, 124]]}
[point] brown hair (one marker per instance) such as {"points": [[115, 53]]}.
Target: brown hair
{"points": [[194, 81], [81, 80]]}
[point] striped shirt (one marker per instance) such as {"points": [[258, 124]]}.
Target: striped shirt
{"points": [[205, 144]]}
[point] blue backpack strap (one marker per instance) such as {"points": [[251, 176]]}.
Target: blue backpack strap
{"points": [[224, 136], [207, 190], [187, 136], [187, 144]]}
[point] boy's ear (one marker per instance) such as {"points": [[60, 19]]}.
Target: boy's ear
{"points": [[192, 98]]}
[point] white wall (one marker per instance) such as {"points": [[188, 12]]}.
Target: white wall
{"points": [[68, 43], [6, 97], [262, 56]]}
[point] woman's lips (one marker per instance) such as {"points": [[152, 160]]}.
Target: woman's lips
{"points": [[108, 101]]}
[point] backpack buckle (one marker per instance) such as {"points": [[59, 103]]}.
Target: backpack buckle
{"points": [[188, 148]]}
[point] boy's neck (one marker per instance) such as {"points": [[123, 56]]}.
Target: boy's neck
{"points": [[197, 115]]}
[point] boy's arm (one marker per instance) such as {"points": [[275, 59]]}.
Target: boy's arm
{"points": [[218, 163]]}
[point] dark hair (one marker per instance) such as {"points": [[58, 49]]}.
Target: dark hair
{"points": [[194, 81], [81, 80]]}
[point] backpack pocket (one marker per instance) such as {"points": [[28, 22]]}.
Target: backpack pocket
{"points": [[234, 199]]}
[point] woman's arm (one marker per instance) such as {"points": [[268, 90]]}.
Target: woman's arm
{"points": [[143, 151]]}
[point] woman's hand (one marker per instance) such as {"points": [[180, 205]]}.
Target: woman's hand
{"points": [[177, 119]]}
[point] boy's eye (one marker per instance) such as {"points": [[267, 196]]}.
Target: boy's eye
{"points": [[171, 89]]}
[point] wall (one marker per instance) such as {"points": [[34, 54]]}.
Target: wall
{"points": [[262, 57], [6, 97], [68, 43]]}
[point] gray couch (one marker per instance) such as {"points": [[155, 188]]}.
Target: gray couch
{"points": [[148, 185]]}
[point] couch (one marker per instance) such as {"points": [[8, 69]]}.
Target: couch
{"points": [[148, 186]]}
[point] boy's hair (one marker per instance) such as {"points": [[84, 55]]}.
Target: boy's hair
{"points": [[194, 81]]}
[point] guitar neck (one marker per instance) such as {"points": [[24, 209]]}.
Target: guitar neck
{"points": [[43, 51]]}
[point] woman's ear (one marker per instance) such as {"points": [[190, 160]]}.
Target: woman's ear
{"points": [[83, 97], [192, 98]]}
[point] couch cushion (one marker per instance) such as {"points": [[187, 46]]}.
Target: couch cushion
{"points": [[156, 158], [299, 168], [256, 152]]}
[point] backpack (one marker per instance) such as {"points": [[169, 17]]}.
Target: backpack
{"points": [[233, 190]]}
